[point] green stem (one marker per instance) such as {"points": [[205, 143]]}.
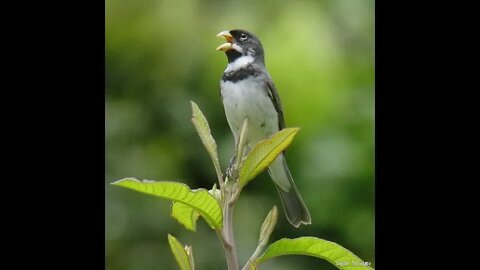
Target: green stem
{"points": [[241, 143], [255, 255]]}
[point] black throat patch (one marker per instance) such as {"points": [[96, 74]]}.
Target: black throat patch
{"points": [[233, 55]]}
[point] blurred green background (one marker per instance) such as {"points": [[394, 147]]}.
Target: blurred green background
{"points": [[160, 54]]}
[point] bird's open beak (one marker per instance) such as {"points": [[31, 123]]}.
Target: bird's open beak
{"points": [[229, 38]]}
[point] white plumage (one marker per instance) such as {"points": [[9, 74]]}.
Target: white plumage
{"points": [[247, 98]]}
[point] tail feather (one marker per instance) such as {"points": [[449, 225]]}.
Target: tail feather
{"points": [[295, 209]]}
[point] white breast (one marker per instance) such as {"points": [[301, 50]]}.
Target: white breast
{"points": [[248, 98]]}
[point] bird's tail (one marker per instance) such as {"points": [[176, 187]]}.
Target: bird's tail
{"points": [[295, 209]]}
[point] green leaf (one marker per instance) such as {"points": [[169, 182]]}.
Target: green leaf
{"points": [[179, 252], [185, 215], [316, 247], [203, 130], [264, 153], [204, 203], [268, 226]]}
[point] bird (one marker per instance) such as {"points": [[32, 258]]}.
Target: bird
{"points": [[247, 91]]}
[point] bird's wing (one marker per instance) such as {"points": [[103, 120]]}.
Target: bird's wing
{"points": [[273, 94]]}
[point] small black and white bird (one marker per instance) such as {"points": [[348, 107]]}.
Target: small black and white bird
{"points": [[247, 91]]}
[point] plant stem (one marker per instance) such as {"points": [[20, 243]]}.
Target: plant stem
{"points": [[265, 232], [230, 193], [226, 234], [241, 143], [255, 255]]}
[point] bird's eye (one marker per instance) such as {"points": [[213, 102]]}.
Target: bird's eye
{"points": [[243, 37]]}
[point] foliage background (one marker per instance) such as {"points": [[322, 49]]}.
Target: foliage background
{"points": [[160, 54]]}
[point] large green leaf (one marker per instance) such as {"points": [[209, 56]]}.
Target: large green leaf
{"points": [[179, 252], [204, 203], [185, 215], [316, 247], [264, 153], [203, 130]]}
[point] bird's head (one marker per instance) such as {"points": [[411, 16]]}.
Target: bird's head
{"points": [[241, 43]]}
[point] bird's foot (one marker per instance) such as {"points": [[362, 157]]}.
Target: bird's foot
{"points": [[232, 170]]}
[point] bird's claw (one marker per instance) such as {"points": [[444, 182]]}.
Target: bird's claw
{"points": [[232, 170]]}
